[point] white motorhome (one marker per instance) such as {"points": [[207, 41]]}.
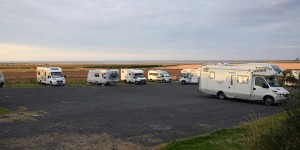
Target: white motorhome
{"points": [[190, 76], [159, 75], [50, 75], [133, 76], [103, 76], [1, 80], [246, 81]]}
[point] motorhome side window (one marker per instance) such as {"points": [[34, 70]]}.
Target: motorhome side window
{"points": [[153, 74], [212, 75], [260, 82], [242, 79], [96, 74]]}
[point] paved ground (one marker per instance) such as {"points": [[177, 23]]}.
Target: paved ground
{"points": [[115, 117]]}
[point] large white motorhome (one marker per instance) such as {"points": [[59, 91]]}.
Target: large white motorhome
{"points": [[133, 76], [103, 76], [190, 76], [245, 81], [1, 80], [50, 75], [159, 75]]}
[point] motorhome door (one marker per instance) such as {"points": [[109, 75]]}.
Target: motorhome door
{"points": [[260, 88], [231, 85]]}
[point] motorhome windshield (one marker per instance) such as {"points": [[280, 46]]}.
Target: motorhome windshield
{"points": [[139, 75], [185, 75], [164, 74], [276, 68], [273, 81], [56, 74]]}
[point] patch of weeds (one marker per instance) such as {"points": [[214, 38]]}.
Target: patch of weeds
{"points": [[3, 111], [221, 139], [21, 114]]}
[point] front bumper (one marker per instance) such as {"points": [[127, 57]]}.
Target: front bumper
{"points": [[280, 98]]}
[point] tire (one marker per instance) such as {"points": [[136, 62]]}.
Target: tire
{"points": [[136, 83], [163, 81], [183, 82], [51, 83], [1, 85], [96, 83], [269, 100], [221, 95]]}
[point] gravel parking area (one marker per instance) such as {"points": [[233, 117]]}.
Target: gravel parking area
{"points": [[116, 117]]}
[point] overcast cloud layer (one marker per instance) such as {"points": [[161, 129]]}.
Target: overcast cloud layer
{"points": [[149, 30]]}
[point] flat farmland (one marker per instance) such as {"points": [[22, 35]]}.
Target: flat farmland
{"points": [[26, 73], [77, 73]]}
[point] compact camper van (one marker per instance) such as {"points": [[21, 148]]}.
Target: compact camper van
{"points": [[189, 76], [245, 81], [50, 75], [159, 75], [1, 80], [133, 76], [103, 76]]}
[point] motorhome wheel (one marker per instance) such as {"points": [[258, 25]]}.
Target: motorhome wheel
{"points": [[1, 85], [268, 100], [221, 95], [183, 82], [96, 83]]}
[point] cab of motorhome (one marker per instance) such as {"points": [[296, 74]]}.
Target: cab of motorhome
{"points": [[1, 80], [50, 75], [245, 81], [133, 76], [103, 76], [159, 76], [189, 76]]}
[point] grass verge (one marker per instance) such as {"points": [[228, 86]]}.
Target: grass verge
{"points": [[239, 138]]}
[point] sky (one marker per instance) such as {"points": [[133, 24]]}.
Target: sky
{"points": [[104, 30]]}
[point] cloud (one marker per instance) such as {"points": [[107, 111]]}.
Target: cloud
{"points": [[151, 27], [18, 52]]}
